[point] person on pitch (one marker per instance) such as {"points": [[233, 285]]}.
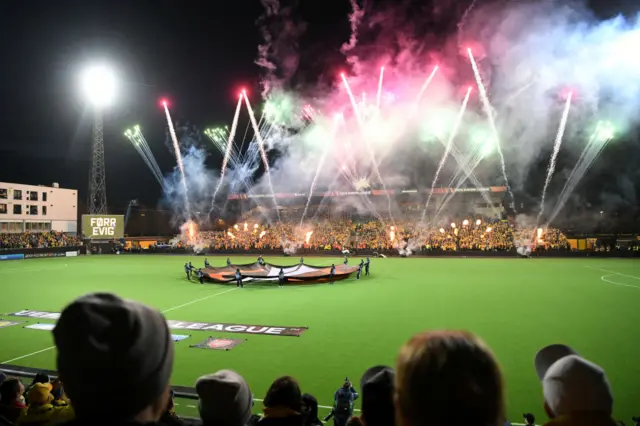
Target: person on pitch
{"points": [[200, 275], [362, 263], [281, 278], [239, 278], [228, 262], [206, 263], [366, 266], [343, 403], [260, 260], [187, 271], [301, 260], [359, 271], [191, 267], [332, 273], [346, 260]]}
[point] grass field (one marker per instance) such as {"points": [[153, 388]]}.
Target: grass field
{"points": [[517, 306]]}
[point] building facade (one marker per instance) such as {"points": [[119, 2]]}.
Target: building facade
{"points": [[37, 208]]}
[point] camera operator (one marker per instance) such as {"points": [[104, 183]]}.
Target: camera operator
{"points": [[343, 404]]}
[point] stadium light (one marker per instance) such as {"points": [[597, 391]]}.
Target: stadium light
{"points": [[99, 86]]}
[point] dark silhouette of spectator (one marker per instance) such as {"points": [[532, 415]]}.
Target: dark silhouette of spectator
{"points": [[115, 358], [377, 387], [448, 378], [224, 399], [310, 410], [283, 404]]}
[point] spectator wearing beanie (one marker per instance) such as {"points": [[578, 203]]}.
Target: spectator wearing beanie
{"points": [[377, 396], [447, 378], [41, 411], [283, 404], [224, 399], [310, 410], [11, 399], [576, 391], [115, 358]]}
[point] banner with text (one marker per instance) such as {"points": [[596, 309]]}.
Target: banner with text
{"points": [[268, 330], [103, 227]]}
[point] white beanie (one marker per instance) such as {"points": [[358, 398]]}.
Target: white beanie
{"points": [[573, 384], [224, 399]]}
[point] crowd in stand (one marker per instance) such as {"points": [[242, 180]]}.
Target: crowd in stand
{"points": [[478, 234], [31, 240], [115, 359]]}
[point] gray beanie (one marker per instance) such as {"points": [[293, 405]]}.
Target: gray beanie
{"points": [[112, 353], [225, 399]]}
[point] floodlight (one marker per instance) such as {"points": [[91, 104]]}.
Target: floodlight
{"points": [[98, 84]]}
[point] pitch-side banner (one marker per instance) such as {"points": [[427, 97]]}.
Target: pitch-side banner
{"points": [[103, 227], [268, 330]]}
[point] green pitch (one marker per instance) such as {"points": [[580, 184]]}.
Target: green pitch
{"points": [[516, 305]]}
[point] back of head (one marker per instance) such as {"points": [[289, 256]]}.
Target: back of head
{"points": [[574, 385], [377, 387], [224, 399], [40, 394], [447, 378], [113, 353], [284, 392], [9, 390], [310, 407]]}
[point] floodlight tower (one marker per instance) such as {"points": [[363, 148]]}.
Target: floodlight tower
{"points": [[99, 86]]}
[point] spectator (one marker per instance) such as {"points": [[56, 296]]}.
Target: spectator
{"points": [[224, 399], [529, 419], [310, 410], [576, 391], [377, 396], [41, 411], [169, 417], [115, 357], [283, 404], [355, 421], [11, 399], [40, 377], [448, 378]]}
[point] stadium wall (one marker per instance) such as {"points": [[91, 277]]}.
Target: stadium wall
{"points": [[16, 254]]}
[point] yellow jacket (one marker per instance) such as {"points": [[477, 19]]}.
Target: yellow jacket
{"points": [[45, 415]]}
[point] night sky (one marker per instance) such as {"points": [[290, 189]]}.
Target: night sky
{"points": [[196, 53]]}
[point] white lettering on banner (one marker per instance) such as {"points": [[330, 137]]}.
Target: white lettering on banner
{"points": [[103, 222], [178, 325], [196, 326]]}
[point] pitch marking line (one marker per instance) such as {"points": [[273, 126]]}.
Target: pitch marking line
{"points": [[614, 273], [165, 311]]}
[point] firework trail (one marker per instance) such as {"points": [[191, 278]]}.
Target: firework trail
{"points": [[263, 153], [379, 88], [603, 133], [176, 148], [320, 165], [232, 134], [425, 85], [373, 157], [554, 155], [454, 132], [488, 110], [146, 156]]}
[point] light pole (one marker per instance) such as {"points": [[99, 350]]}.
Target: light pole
{"points": [[99, 88]]}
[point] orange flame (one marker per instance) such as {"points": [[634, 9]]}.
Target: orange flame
{"points": [[307, 236]]}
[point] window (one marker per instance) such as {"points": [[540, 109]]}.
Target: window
{"points": [[33, 196], [33, 210], [44, 210], [17, 194], [17, 209], [3, 209], [44, 196], [3, 193]]}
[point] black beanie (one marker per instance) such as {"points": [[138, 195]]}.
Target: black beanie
{"points": [[115, 356], [377, 385]]}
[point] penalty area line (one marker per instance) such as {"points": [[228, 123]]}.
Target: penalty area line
{"points": [[165, 311], [614, 272]]}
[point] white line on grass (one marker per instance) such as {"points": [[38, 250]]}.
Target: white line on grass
{"points": [[198, 300], [165, 311], [614, 272], [604, 278], [28, 355]]}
